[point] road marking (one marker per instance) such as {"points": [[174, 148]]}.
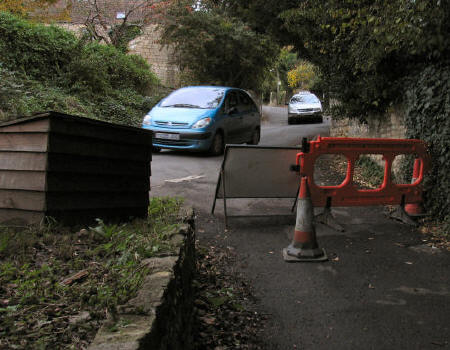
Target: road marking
{"points": [[187, 178]]}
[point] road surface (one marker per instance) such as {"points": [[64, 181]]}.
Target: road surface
{"points": [[172, 165], [383, 287]]}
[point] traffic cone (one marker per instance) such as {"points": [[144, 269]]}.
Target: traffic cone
{"points": [[304, 246], [415, 209]]}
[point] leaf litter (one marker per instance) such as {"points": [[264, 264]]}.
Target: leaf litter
{"points": [[225, 308]]}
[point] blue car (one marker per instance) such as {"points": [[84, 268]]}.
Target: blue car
{"points": [[204, 118]]}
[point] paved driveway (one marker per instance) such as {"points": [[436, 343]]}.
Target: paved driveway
{"points": [[383, 287]]}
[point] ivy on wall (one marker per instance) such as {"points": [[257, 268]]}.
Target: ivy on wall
{"points": [[428, 118]]}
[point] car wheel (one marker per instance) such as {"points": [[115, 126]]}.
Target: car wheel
{"points": [[156, 149], [255, 137], [217, 145], [290, 121]]}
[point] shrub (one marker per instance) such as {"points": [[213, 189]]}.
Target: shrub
{"points": [[21, 96], [41, 52], [46, 68], [304, 75], [216, 48], [102, 68], [125, 107]]}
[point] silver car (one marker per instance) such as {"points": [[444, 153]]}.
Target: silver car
{"points": [[304, 106]]}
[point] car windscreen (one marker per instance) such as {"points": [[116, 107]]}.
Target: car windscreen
{"points": [[208, 98], [305, 99]]}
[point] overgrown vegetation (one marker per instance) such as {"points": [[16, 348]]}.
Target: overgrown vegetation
{"points": [[45, 67], [304, 76], [40, 309], [287, 75], [122, 35], [428, 118], [372, 55], [365, 49], [215, 48], [100, 22], [368, 173]]}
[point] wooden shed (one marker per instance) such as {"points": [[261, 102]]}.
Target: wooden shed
{"points": [[73, 169]]}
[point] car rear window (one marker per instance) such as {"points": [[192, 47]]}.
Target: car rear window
{"points": [[205, 97], [310, 98]]}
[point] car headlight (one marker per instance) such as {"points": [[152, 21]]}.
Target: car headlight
{"points": [[147, 120], [202, 123], [317, 109]]}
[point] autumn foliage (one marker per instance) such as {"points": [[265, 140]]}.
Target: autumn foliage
{"points": [[35, 9], [303, 76]]}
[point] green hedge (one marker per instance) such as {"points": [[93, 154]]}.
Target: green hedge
{"points": [[102, 68], [48, 68], [21, 96], [428, 118], [39, 51]]}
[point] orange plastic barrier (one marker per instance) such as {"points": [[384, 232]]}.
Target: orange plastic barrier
{"points": [[347, 194]]}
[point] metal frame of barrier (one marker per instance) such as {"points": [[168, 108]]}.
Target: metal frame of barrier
{"points": [[221, 182], [346, 194]]}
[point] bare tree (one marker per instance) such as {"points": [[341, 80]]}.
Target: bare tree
{"points": [[110, 21]]}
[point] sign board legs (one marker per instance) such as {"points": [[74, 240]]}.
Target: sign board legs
{"points": [[224, 198]]}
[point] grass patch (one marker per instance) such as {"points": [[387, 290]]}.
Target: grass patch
{"points": [[40, 307]]}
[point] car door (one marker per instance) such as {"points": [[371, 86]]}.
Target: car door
{"points": [[250, 115], [234, 126]]}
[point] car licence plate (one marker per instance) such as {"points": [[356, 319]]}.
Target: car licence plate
{"points": [[165, 136]]}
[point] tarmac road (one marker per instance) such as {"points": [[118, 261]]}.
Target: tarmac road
{"points": [[383, 287]]}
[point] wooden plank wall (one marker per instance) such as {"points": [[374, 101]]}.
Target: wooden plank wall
{"points": [[23, 163], [73, 169]]}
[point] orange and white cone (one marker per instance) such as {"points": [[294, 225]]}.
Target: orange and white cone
{"points": [[304, 246], [415, 209]]}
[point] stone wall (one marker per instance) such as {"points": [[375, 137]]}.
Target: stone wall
{"points": [[161, 58], [391, 126], [161, 315]]}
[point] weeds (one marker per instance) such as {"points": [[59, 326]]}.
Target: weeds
{"points": [[37, 309], [368, 173]]}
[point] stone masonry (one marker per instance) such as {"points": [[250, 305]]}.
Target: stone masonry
{"points": [[391, 126], [161, 315], [161, 58]]}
